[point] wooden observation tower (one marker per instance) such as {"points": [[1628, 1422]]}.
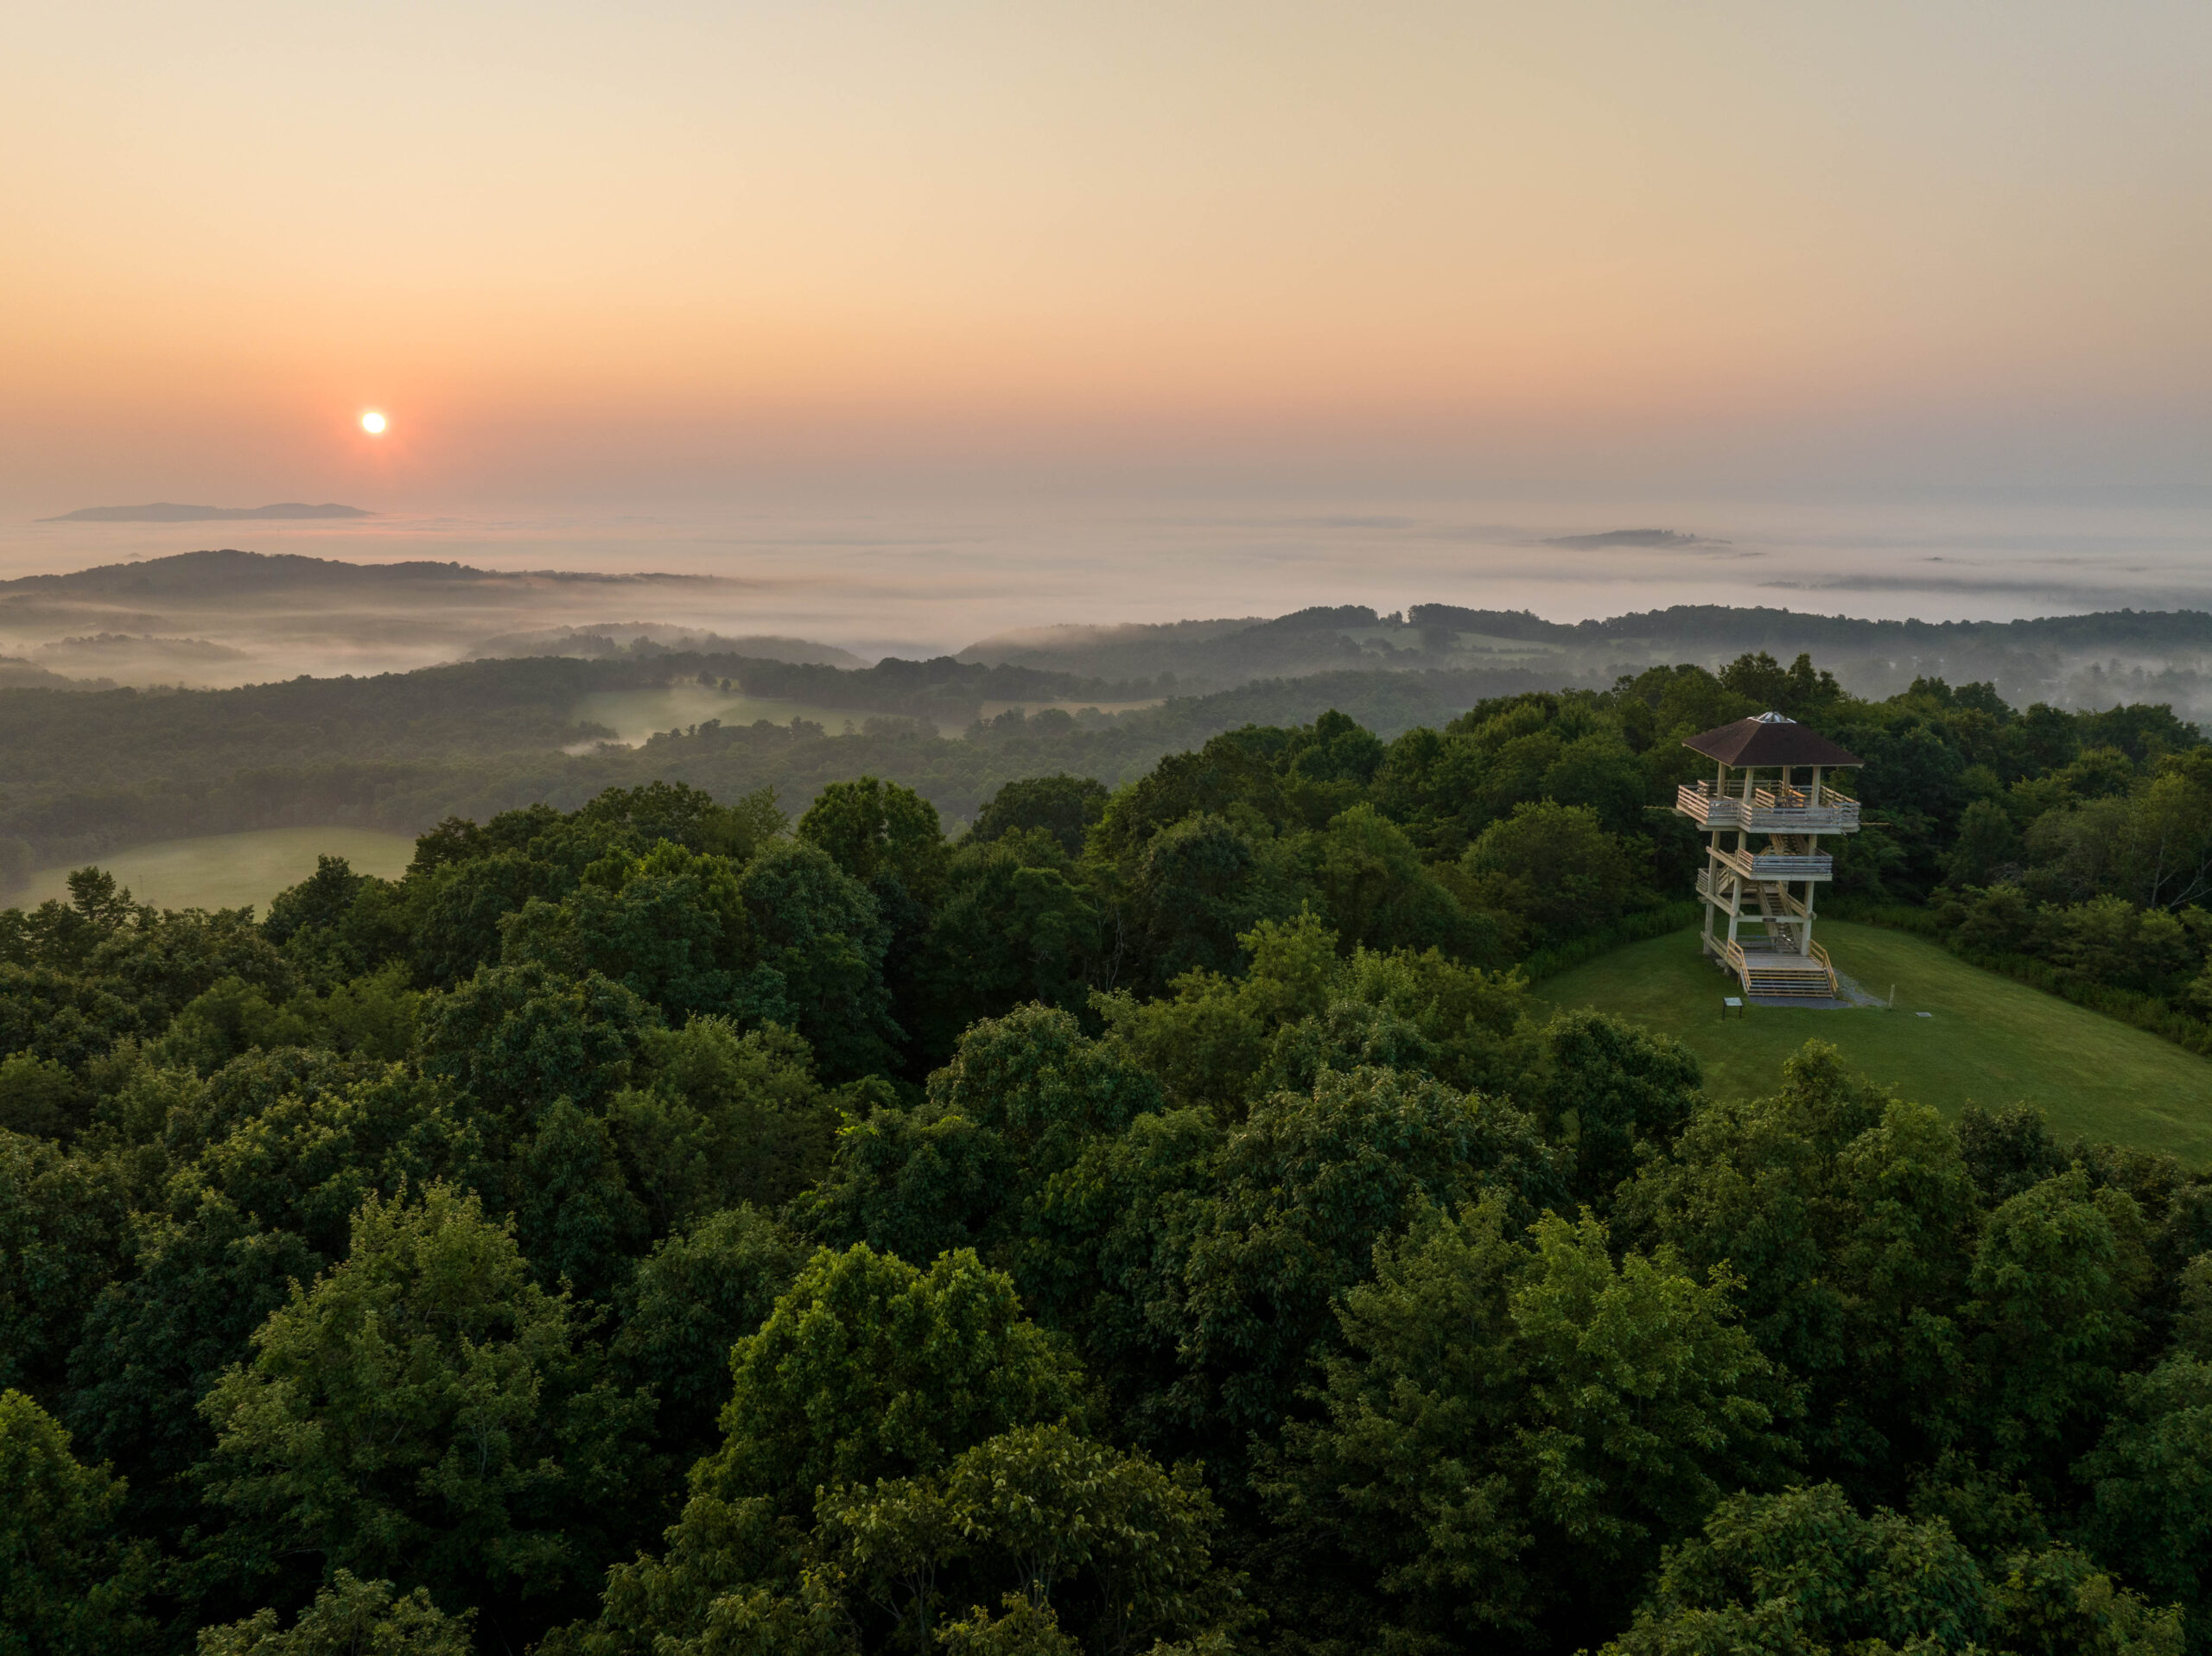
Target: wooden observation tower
{"points": [[1771, 778]]}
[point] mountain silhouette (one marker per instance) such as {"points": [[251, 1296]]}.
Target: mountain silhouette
{"points": [[164, 511]]}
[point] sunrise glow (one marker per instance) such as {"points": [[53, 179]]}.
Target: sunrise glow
{"points": [[692, 248]]}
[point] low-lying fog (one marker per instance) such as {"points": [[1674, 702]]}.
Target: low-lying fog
{"points": [[928, 581]]}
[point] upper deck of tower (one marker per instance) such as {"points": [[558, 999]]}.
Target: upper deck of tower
{"points": [[1779, 805]]}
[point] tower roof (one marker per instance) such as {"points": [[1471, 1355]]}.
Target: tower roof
{"points": [[1770, 739]]}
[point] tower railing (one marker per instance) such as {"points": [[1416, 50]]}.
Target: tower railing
{"points": [[1791, 810], [1777, 811], [1777, 865]]}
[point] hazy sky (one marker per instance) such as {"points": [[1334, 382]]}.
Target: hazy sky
{"points": [[656, 251]]}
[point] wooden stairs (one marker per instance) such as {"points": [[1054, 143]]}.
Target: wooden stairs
{"points": [[1783, 974]]}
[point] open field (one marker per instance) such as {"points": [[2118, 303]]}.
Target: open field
{"points": [[635, 715], [1988, 1040], [225, 870]]}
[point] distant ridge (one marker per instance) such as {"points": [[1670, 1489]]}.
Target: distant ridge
{"points": [[162, 511], [1662, 537], [603, 640], [228, 570]]}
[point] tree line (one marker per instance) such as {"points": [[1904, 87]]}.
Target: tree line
{"points": [[83, 774]]}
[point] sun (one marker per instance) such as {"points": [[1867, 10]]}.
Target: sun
{"points": [[373, 422]]}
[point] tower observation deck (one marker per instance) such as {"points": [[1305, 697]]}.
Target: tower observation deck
{"points": [[1770, 780]]}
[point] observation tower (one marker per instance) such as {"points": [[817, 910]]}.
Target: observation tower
{"points": [[1771, 778]]}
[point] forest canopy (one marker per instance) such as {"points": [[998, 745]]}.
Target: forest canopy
{"points": [[1158, 1218]]}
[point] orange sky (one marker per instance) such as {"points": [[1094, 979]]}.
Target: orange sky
{"points": [[657, 249]]}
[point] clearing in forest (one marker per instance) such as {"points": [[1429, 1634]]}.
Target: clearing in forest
{"points": [[1986, 1040], [225, 870]]}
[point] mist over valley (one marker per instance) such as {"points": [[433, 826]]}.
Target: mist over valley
{"points": [[222, 690]]}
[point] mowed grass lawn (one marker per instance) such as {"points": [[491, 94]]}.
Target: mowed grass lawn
{"points": [[226, 871], [1988, 1040]]}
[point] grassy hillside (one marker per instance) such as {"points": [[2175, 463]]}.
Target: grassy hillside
{"points": [[225, 870], [1987, 1040]]}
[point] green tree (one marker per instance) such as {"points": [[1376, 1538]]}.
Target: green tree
{"points": [[41, 1098], [1022, 1627], [2009, 1150], [816, 941], [63, 935], [313, 1139], [1554, 869], [1428, 783], [232, 1016], [2056, 1281], [2057, 1602], [1108, 1543], [48, 1013], [63, 1232], [874, 830], [1986, 841], [1801, 1570], [721, 1118], [1612, 1092], [337, 925], [350, 1617], [155, 1341], [913, 1183], [1378, 894], [1192, 888], [1508, 1430], [1223, 779], [1307, 1189], [2150, 1518], [70, 1582], [424, 1413], [515, 1037], [321, 902], [1103, 1255], [1796, 690], [1113, 1540], [869, 1369], [1035, 1079], [1851, 1218], [687, 816], [371, 1015], [455, 910], [670, 926], [1021, 1096], [1011, 924], [1469, 1028], [196, 1113], [1064, 806], [700, 1291], [575, 1215], [1208, 1037]]}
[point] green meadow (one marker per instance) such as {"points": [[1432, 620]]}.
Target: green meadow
{"points": [[635, 715], [228, 871], [1985, 1040]]}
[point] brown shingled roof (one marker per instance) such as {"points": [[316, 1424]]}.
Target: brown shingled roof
{"points": [[1769, 739]]}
